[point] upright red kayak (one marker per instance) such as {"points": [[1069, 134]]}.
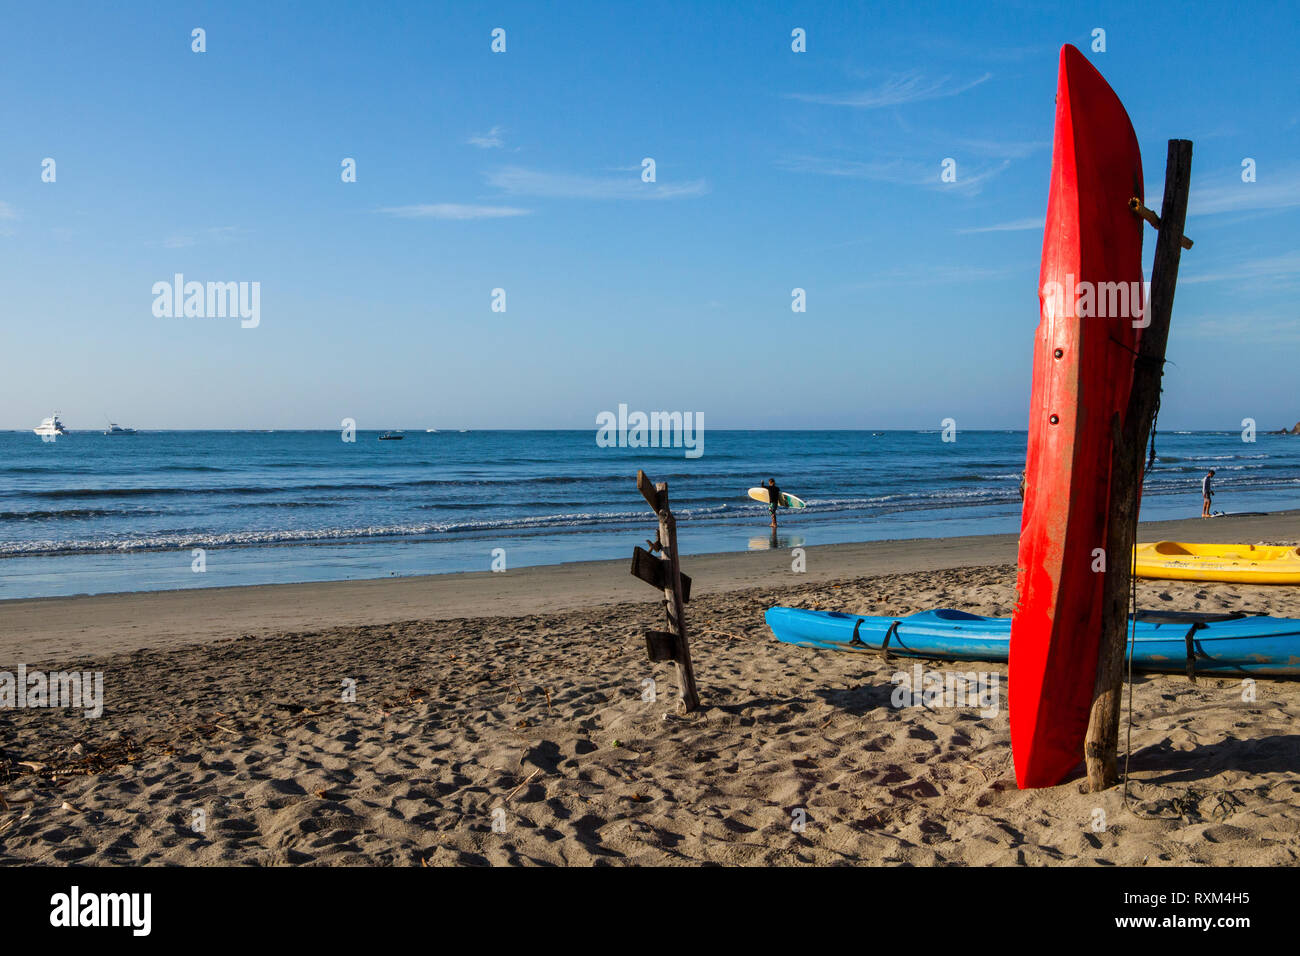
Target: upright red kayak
{"points": [[1083, 373]]}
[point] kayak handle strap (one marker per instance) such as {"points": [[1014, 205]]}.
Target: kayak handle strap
{"points": [[884, 646], [1191, 650]]}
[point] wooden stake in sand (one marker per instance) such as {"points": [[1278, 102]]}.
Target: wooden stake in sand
{"points": [[1102, 742], [666, 573]]}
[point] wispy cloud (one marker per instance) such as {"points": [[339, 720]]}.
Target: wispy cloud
{"points": [[1255, 330], [7, 213], [1279, 190], [911, 87], [897, 171], [953, 47], [490, 140], [1015, 225], [887, 170], [211, 234], [454, 211], [1008, 149], [1281, 193], [519, 181], [972, 183], [1284, 268], [931, 275]]}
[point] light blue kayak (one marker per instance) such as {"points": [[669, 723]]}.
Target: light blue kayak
{"points": [[1218, 643]]}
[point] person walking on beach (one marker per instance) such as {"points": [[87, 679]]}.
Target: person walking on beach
{"points": [[1207, 492], [774, 499]]}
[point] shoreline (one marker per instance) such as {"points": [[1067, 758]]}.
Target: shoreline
{"points": [[41, 629]]}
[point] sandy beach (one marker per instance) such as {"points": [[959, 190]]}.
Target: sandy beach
{"points": [[502, 719]]}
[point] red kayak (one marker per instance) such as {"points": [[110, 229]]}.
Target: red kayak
{"points": [[1083, 373]]}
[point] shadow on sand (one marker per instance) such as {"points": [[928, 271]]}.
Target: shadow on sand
{"points": [[1278, 753]]}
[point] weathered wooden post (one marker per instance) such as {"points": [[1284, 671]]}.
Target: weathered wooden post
{"points": [[665, 573], [1102, 742]]}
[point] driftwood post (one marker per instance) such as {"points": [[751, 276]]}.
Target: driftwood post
{"points": [[665, 573], [1102, 742]]}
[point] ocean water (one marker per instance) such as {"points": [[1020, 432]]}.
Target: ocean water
{"points": [[90, 513]]}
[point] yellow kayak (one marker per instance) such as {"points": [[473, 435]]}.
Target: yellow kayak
{"points": [[1239, 563]]}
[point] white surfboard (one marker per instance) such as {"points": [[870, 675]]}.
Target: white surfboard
{"points": [[790, 501]]}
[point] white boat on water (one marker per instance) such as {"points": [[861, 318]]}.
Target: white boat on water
{"points": [[116, 429], [50, 427]]}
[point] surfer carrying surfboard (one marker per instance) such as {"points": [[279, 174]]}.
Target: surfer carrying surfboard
{"points": [[1207, 492], [774, 499], [772, 496]]}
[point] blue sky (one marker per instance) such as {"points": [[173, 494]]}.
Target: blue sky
{"points": [[522, 171]]}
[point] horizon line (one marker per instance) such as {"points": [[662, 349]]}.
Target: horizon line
{"points": [[747, 428]]}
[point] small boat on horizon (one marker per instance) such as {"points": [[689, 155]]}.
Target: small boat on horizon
{"points": [[391, 436], [50, 427], [116, 429]]}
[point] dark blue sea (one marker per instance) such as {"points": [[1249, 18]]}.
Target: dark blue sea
{"points": [[91, 513]]}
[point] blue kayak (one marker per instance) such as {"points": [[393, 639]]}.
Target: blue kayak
{"points": [[1164, 641]]}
